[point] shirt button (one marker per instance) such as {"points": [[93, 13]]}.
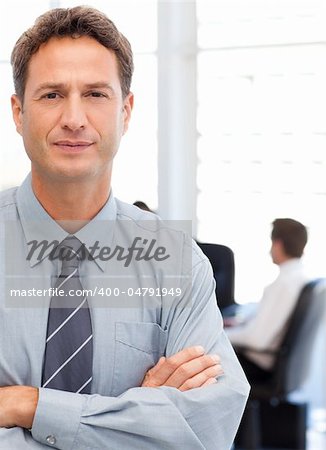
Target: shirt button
{"points": [[51, 440]]}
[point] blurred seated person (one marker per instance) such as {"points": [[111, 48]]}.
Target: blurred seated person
{"points": [[265, 329]]}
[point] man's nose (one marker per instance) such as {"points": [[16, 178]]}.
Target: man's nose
{"points": [[73, 115]]}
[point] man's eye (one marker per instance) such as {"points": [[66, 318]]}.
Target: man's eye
{"points": [[97, 94], [51, 95]]}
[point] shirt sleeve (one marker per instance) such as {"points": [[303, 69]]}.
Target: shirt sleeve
{"points": [[18, 438], [263, 329], [160, 418]]}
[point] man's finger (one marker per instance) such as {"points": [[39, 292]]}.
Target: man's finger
{"points": [[161, 372], [209, 382], [192, 368], [204, 378]]}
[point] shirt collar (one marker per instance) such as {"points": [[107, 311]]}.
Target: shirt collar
{"points": [[291, 264], [39, 226]]}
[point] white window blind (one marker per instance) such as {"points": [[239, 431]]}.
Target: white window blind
{"points": [[261, 120]]}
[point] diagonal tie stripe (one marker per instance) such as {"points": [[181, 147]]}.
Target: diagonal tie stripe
{"points": [[67, 320], [69, 345], [67, 361], [80, 390], [66, 279], [70, 337], [71, 374]]}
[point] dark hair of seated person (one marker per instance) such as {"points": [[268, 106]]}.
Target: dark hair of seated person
{"points": [[142, 205]]}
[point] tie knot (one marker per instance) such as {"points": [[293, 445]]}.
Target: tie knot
{"points": [[70, 252]]}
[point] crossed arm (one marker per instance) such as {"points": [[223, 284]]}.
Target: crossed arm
{"points": [[188, 369], [166, 411]]}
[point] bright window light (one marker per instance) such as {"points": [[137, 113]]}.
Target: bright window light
{"points": [[261, 121]]}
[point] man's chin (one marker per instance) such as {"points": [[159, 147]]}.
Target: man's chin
{"points": [[70, 175], [74, 172], [76, 176]]}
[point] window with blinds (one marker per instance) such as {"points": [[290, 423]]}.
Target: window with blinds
{"points": [[262, 127]]}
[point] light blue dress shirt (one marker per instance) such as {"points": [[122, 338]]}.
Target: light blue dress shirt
{"points": [[132, 330]]}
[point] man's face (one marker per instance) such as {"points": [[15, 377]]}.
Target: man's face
{"points": [[272, 251], [277, 252], [73, 115]]}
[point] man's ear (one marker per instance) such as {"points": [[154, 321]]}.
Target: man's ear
{"points": [[17, 111], [128, 104]]}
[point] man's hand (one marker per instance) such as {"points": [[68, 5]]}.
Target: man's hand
{"points": [[17, 406], [188, 369]]}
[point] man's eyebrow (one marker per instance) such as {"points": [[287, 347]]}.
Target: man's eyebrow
{"points": [[48, 86], [59, 86], [99, 85]]}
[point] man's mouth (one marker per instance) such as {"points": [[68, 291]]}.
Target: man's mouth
{"points": [[73, 146]]}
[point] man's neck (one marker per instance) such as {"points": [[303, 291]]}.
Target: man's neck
{"points": [[285, 259], [72, 204]]}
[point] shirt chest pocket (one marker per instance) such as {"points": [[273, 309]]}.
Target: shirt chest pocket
{"points": [[138, 347]]}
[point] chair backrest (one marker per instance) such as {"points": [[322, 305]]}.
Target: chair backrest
{"points": [[293, 360], [221, 258]]}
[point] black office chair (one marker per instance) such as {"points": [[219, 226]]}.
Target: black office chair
{"points": [[221, 258], [267, 402]]}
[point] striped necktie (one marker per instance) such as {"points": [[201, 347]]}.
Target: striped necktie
{"points": [[69, 344]]}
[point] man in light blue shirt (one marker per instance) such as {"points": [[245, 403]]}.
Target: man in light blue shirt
{"points": [[157, 337]]}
